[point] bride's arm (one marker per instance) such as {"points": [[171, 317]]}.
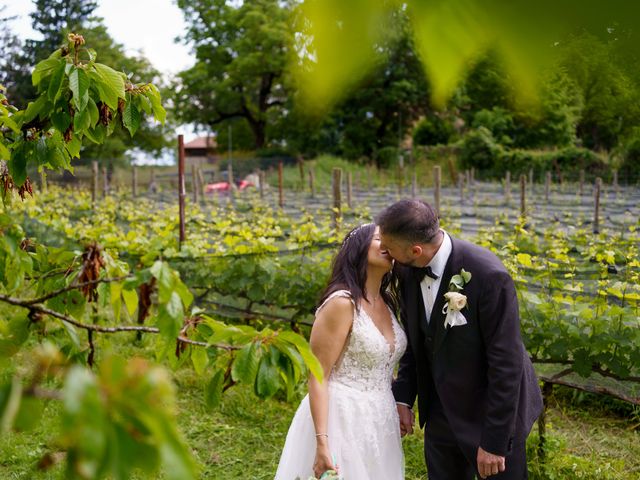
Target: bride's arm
{"points": [[328, 336]]}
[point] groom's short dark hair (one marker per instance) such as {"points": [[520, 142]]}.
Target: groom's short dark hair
{"points": [[412, 220]]}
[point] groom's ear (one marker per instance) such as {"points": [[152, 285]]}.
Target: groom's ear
{"points": [[416, 250]]}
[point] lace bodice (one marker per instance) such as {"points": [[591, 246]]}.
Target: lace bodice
{"points": [[363, 426], [368, 360]]}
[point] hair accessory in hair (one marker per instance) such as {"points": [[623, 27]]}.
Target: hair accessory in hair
{"points": [[357, 229]]}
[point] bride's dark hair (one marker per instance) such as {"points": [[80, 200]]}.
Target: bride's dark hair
{"points": [[349, 269]]}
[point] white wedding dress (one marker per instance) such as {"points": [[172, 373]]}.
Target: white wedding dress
{"points": [[363, 424]]}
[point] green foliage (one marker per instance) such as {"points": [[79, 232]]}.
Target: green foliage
{"points": [[120, 420], [241, 51], [78, 98], [569, 160], [433, 130], [630, 153], [343, 39], [479, 150], [485, 86], [387, 157], [498, 121], [53, 20], [552, 123], [607, 85]]}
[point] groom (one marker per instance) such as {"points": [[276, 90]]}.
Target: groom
{"points": [[476, 387]]}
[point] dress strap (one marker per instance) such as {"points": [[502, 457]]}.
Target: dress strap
{"points": [[337, 293]]}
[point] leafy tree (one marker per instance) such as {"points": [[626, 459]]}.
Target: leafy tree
{"points": [[150, 136], [485, 86], [341, 39], [53, 19], [241, 58], [432, 130], [609, 91], [9, 46], [553, 121], [381, 109]]}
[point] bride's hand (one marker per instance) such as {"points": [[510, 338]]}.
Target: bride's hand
{"points": [[323, 461]]}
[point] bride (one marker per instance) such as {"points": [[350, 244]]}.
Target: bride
{"points": [[349, 422]]}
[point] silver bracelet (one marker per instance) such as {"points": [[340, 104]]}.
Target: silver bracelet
{"points": [[322, 435]]}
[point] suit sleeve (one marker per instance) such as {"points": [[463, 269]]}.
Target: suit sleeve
{"points": [[405, 385], [500, 327]]}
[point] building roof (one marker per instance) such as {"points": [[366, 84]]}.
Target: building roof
{"points": [[202, 142]]}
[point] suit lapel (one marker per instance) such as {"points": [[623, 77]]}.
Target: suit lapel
{"points": [[413, 305], [453, 266]]}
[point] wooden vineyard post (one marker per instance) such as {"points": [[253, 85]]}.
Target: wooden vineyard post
{"points": [[181, 189], [134, 182], [547, 187], [337, 198], [43, 179], [152, 182], [94, 184], [461, 186], [414, 184], [615, 183], [596, 212], [232, 183], [581, 185], [312, 188], [301, 169], [280, 185], [523, 195], [507, 187], [369, 177], [105, 182], [194, 183], [547, 389], [437, 177], [452, 170], [531, 180], [349, 190], [261, 176], [201, 183]]}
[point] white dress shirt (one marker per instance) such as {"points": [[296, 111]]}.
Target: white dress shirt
{"points": [[430, 286]]}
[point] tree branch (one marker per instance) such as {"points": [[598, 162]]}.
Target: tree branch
{"points": [[592, 389], [101, 329], [68, 288]]}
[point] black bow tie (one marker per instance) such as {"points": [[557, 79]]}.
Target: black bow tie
{"points": [[420, 272]]}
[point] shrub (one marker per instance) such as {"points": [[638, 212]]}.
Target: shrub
{"points": [[432, 130], [387, 157], [479, 150], [568, 160], [631, 155], [498, 121]]}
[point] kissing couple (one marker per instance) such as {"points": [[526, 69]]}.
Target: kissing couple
{"points": [[403, 291]]}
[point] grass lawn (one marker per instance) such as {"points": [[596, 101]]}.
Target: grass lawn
{"points": [[590, 438]]}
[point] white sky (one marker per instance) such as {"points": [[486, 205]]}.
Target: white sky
{"points": [[145, 26]]}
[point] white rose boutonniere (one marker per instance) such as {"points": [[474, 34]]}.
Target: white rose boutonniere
{"points": [[456, 301]]}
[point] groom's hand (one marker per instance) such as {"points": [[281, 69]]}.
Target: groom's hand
{"points": [[406, 419], [489, 464]]}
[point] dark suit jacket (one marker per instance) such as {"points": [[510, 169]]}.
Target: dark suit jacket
{"points": [[480, 371]]}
